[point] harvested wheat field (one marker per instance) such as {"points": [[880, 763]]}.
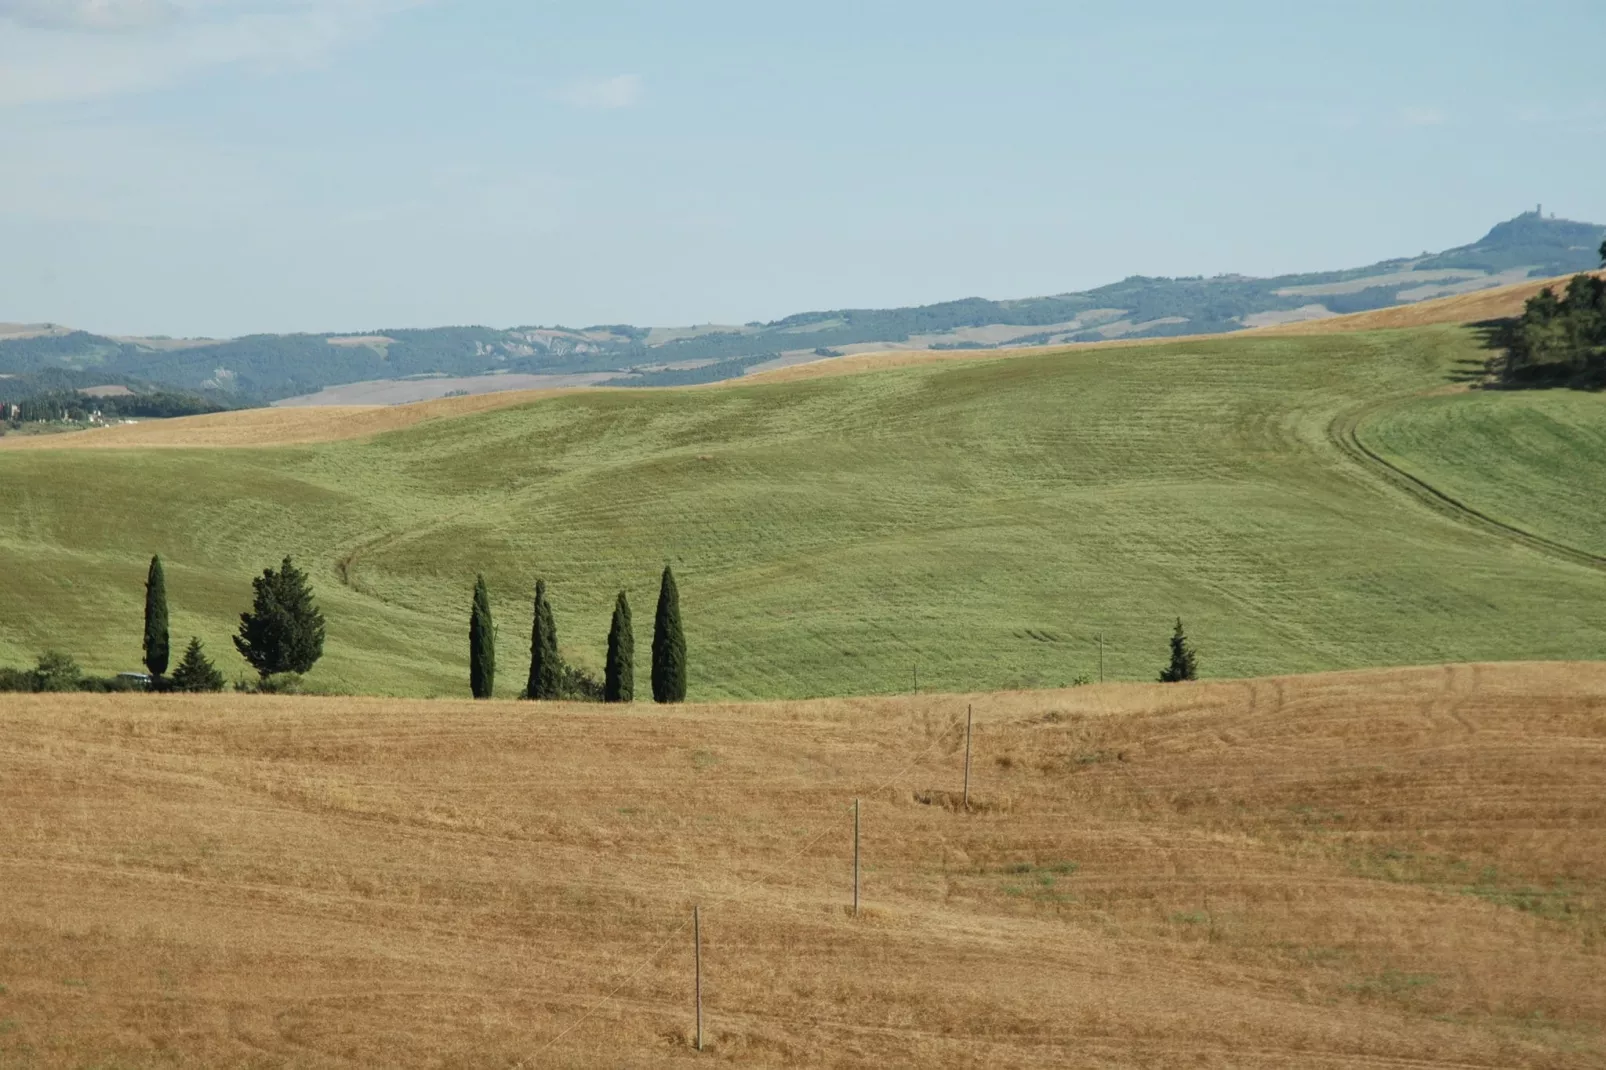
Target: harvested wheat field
{"points": [[1478, 306], [1378, 869], [294, 426]]}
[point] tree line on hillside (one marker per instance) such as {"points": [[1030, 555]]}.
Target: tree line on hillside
{"points": [[282, 636], [551, 677], [77, 407], [1560, 339]]}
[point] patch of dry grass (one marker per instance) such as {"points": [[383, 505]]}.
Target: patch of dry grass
{"points": [[289, 426], [1396, 868]]}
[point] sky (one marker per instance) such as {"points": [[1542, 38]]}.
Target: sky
{"points": [[222, 167]]}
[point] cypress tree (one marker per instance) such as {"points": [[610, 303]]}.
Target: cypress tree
{"points": [[157, 649], [1183, 666], [546, 668], [283, 632], [668, 645], [481, 643], [619, 674], [196, 672]]}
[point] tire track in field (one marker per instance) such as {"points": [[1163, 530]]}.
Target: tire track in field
{"points": [[1344, 432]]}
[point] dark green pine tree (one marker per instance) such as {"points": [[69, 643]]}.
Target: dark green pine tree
{"points": [[481, 643], [283, 632], [668, 645], [196, 672], [1183, 665], [619, 674], [157, 650], [546, 668]]}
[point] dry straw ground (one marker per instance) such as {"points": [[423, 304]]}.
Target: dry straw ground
{"points": [[1385, 869]]}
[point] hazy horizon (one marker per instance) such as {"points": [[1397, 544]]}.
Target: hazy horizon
{"points": [[224, 167]]}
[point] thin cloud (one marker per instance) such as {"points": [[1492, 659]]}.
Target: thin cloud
{"points": [[97, 16], [1422, 116], [603, 94], [70, 50]]}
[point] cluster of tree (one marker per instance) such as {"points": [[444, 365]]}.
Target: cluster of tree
{"points": [[76, 406], [56, 672], [282, 632], [550, 677], [1561, 339]]}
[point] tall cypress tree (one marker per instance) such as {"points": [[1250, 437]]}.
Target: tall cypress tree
{"points": [[546, 669], [481, 643], [157, 649], [619, 674], [1183, 666], [668, 645]]}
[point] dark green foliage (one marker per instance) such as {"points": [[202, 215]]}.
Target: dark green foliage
{"points": [[56, 672], [1183, 665], [481, 643], [279, 683], [16, 680], [196, 672], [156, 641], [619, 673], [283, 632], [112, 685], [579, 685], [1560, 339], [668, 645], [546, 668]]}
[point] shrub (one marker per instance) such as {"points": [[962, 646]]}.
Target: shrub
{"points": [[196, 672], [279, 683], [1183, 665], [579, 685], [56, 672], [112, 684], [16, 680]]}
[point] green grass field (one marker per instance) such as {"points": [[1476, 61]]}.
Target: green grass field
{"points": [[983, 521]]}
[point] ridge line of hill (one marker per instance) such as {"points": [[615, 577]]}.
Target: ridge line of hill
{"points": [[298, 426], [392, 366]]}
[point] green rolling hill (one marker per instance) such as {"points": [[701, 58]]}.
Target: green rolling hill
{"points": [[983, 520]]}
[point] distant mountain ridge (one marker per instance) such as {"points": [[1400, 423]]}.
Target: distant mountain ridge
{"points": [[414, 363]]}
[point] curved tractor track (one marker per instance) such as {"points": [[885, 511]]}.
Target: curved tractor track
{"points": [[1344, 432]]}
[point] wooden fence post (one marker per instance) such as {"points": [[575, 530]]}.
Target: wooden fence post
{"points": [[967, 757], [855, 857], [697, 944]]}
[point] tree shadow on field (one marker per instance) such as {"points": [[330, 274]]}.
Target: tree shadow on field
{"points": [[1496, 336]]}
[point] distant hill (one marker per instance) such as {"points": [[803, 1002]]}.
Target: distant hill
{"points": [[262, 369]]}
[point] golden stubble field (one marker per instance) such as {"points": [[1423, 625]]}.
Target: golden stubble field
{"points": [[1379, 869]]}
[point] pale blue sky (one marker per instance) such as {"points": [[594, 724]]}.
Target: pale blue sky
{"points": [[226, 166]]}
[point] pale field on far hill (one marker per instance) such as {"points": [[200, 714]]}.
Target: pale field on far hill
{"points": [[1399, 868]]}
